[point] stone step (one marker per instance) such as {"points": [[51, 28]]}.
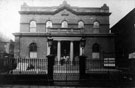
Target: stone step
{"points": [[66, 67], [66, 76]]}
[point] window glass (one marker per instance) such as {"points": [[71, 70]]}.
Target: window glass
{"points": [[32, 26], [48, 24], [95, 48], [95, 51], [96, 24], [33, 50], [64, 24], [80, 24]]}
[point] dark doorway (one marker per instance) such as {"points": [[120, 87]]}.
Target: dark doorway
{"points": [[76, 48], [54, 48], [65, 48]]}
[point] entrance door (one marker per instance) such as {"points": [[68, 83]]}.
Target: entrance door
{"points": [[65, 52], [76, 52]]}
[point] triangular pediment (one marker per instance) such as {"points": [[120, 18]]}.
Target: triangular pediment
{"points": [[65, 7], [65, 10]]}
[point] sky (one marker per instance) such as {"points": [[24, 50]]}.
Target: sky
{"points": [[10, 18]]}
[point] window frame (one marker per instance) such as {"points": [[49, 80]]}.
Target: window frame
{"points": [[95, 51], [49, 24], [33, 50], [80, 24], [63, 23], [33, 26], [96, 24]]}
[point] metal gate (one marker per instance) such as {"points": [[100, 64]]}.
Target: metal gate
{"points": [[66, 71]]}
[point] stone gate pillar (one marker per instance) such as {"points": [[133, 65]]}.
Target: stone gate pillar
{"points": [[82, 66], [50, 66]]}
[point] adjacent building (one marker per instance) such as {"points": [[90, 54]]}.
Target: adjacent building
{"points": [[125, 40], [6, 46]]}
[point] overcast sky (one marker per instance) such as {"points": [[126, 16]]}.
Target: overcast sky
{"points": [[10, 18]]}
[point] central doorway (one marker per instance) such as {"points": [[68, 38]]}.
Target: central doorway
{"points": [[65, 52], [68, 69], [65, 48]]}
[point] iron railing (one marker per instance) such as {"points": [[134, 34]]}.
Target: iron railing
{"points": [[40, 66], [37, 69], [30, 66]]}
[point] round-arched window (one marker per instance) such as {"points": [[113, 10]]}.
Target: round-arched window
{"points": [[33, 26], [33, 50], [80, 24], [95, 51], [64, 24], [96, 24], [48, 25]]}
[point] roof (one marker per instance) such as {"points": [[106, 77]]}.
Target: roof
{"points": [[25, 9], [125, 18]]}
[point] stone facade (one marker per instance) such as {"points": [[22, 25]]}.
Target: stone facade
{"points": [[72, 15]]}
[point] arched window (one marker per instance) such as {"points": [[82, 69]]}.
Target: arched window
{"points": [[48, 25], [32, 26], [96, 24], [33, 50], [80, 24], [95, 51], [64, 24]]}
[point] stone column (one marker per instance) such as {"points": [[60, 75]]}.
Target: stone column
{"points": [[59, 51], [48, 49], [81, 51], [71, 51]]}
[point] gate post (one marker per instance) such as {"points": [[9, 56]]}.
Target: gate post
{"points": [[82, 66], [50, 66]]}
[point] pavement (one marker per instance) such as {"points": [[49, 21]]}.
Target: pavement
{"points": [[30, 86], [36, 81], [38, 86]]}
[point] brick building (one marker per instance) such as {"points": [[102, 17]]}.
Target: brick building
{"points": [[125, 32], [67, 26], [5, 44]]}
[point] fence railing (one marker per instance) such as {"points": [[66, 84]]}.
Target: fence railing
{"points": [[37, 69], [40, 66], [30, 66]]}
